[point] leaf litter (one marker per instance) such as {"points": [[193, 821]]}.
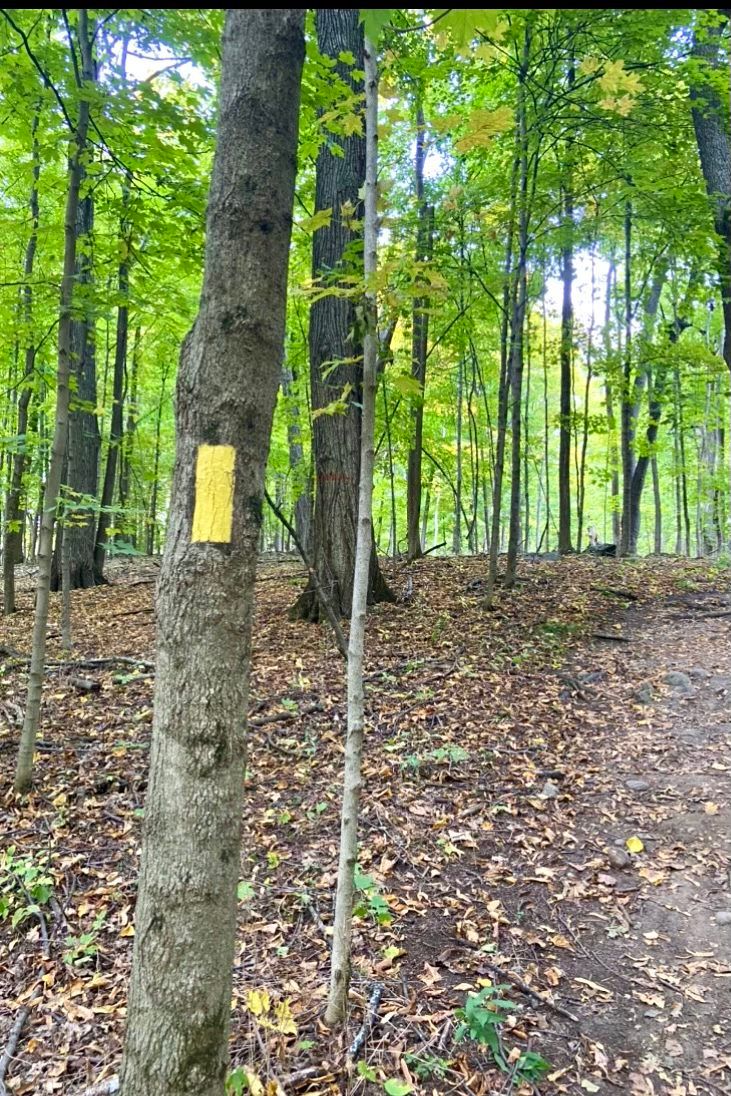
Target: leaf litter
{"points": [[544, 844]]}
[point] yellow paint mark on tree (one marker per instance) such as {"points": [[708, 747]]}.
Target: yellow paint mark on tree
{"points": [[214, 494]]}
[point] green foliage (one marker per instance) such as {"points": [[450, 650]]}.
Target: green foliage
{"points": [[371, 903], [82, 950], [482, 1020], [26, 885]]}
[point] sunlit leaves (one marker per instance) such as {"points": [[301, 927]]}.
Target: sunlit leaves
{"points": [[461, 26], [482, 126]]}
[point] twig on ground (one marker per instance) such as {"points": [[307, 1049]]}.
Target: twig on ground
{"points": [[609, 637], [529, 992], [11, 1045], [369, 1021]]}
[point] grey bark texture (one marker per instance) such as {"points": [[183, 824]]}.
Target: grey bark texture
{"points": [[83, 441], [31, 719], [180, 996], [713, 136], [337, 1005], [335, 336], [14, 512]]}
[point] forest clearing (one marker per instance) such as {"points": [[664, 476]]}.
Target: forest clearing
{"points": [[500, 802], [365, 514]]}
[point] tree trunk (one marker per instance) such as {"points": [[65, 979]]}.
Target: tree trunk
{"points": [[152, 519], [180, 995], [710, 121], [299, 476], [457, 527], [14, 514], [342, 925], [567, 341], [658, 506], [504, 383], [518, 318], [336, 369], [83, 441], [117, 419], [627, 400], [130, 398], [24, 769], [419, 340]]}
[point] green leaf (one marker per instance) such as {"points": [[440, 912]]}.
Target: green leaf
{"points": [[374, 21], [394, 1087], [367, 1072]]}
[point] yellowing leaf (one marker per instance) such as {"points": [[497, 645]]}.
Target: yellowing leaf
{"points": [[589, 65], [483, 125], [128, 930], [258, 1002], [352, 125], [321, 219], [446, 123], [285, 1020], [710, 808], [634, 844]]}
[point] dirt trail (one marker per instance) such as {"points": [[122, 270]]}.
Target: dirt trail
{"points": [[657, 944]]}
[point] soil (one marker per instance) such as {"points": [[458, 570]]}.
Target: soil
{"points": [[548, 795]]}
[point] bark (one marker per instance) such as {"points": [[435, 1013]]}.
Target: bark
{"points": [[14, 513], [627, 401], [180, 996], [125, 471], [117, 418], [343, 922], [504, 384], [300, 478], [335, 342], [658, 506], [83, 441], [419, 340], [152, 519], [457, 527], [656, 397], [24, 768], [711, 125], [518, 319], [566, 356]]}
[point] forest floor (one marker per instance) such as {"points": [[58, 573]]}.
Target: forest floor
{"points": [[547, 794]]}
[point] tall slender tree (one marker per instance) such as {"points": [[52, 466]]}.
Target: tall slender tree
{"points": [[180, 997], [81, 47]]}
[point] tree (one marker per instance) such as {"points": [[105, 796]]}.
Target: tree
{"points": [[76, 535], [342, 925], [419, 342], [85, 71], [709, 97], [230, 369], [335, 335], [12, 532]]}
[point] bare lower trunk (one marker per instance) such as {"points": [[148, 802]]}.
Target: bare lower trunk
{"points": [[24, 768], [658, 506], [342, 928], [419, 339], [180, 995], [14, 513], [336, 370]]}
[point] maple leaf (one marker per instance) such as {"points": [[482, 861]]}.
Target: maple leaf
{"points": [[483, 125]]}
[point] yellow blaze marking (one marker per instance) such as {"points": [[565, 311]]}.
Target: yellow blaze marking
{"points": [[214, 493]]}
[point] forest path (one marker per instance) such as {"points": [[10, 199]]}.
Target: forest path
{"points": [[510, 756], [657, 943]]}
